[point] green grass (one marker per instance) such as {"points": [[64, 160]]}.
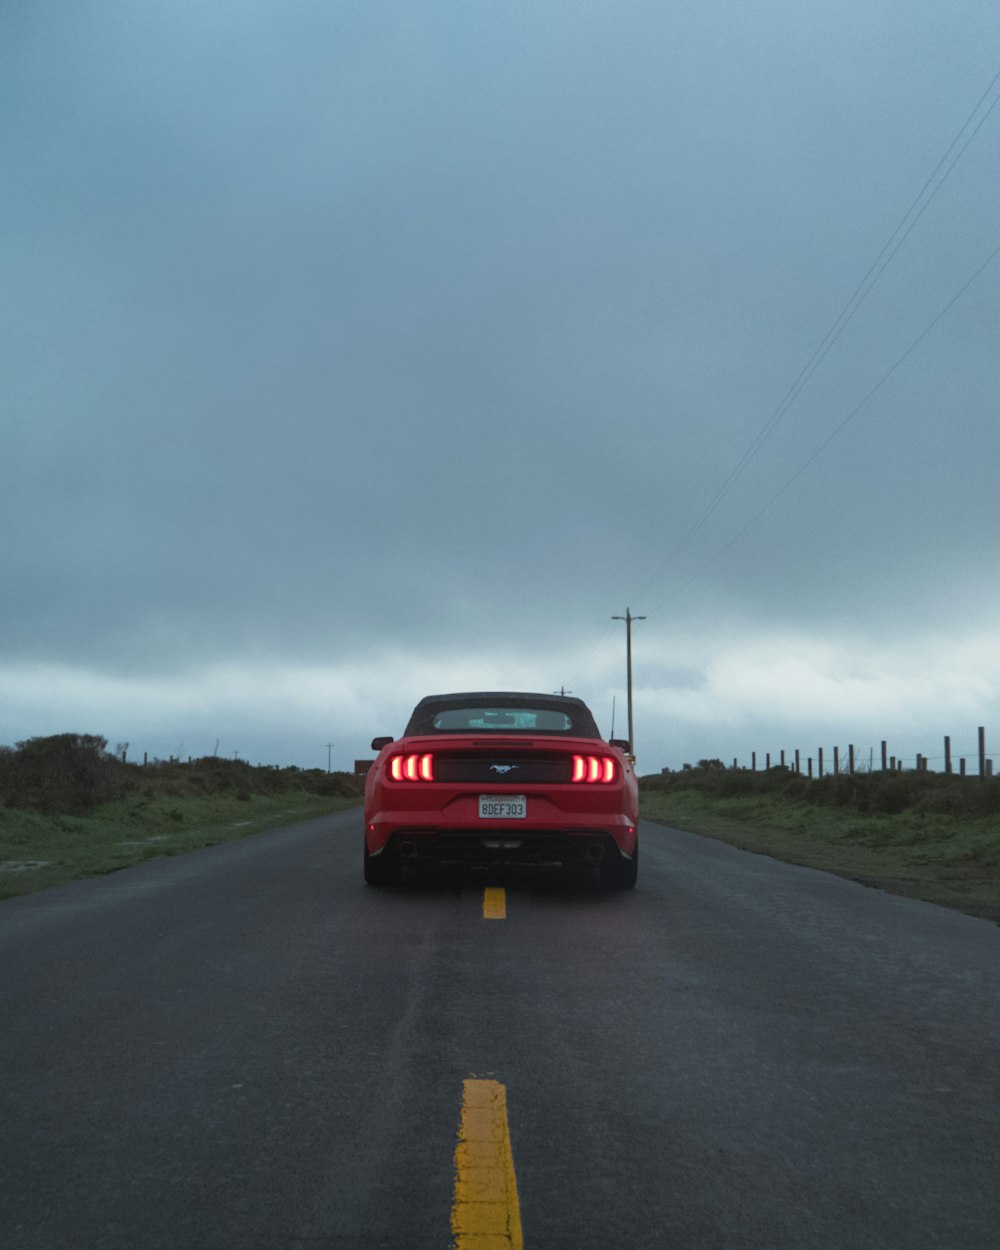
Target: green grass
{"points": [[37, 851], [942, 858]]}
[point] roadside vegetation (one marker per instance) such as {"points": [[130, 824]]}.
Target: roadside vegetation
{"points": [[69, 808], [920, 834]]}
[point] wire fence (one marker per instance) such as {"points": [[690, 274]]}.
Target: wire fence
{"points": [[964, 761]]}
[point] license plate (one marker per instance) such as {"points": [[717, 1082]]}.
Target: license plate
{"points": [[503, 806]]}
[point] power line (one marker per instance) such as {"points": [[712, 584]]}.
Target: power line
{"points": [[850, 417], [895, 241], [861, 292]]}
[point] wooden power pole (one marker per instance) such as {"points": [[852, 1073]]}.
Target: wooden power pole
{"points": [[628, 618]]}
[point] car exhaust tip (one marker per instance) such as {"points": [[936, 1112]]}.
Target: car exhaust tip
{"points": [[595, 852], [407, 850]]}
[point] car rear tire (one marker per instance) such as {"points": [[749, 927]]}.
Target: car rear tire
{"points": [[619, 873], [384, 869]]}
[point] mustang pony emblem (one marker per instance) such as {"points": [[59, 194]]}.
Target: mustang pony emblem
{"points": [[502, 768]]}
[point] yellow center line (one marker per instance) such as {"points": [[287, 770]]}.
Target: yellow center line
{"points": [[485, 1214], [494, 903]]}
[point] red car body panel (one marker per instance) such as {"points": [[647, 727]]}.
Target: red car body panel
{"points": [[392, 805]]}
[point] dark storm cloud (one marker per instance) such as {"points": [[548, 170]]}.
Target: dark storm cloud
{"points": [[335, 329]]}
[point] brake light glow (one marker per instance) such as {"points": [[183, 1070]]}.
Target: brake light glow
{"points": [[593, 769], [412, 768]]}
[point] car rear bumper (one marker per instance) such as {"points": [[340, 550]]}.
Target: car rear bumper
{"points": [[502, 846]]}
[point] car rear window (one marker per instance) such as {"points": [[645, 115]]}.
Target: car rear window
{"points": [[503, 720]]}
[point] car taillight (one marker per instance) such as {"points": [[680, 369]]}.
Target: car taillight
{"points": [[412, 768], [593, 768]]}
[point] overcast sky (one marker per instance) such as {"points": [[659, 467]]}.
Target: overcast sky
{"points": [[357, 351]]}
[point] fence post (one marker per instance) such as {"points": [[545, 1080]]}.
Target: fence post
{"points": [[982, 751], [768, 758], [810, 762], [850, 759], [819, 764], [798, 762], [836, 761], [753, 760], [884, 747], [961, 767]]}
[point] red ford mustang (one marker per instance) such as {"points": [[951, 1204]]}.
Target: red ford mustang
{"points": [[492, 778]]}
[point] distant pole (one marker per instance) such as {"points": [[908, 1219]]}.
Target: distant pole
{"points": [[329, 748], [628, 618], [947, 755], [612, 716], [563, 691], [982, 751], [885, 747]]}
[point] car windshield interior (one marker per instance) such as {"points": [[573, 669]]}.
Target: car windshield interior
{"points": [[502, 720]]}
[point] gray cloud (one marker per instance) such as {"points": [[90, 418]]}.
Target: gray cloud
{"points": [[334, 330]]}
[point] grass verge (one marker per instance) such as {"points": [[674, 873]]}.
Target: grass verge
{"points": [[940, 858], [37, 851]]}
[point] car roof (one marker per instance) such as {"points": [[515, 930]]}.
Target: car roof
{"points": [[579, 714], [526, 696]]}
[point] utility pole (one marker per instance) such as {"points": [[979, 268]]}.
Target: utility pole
{"points": [[329, 748], [563, 691], [628, 618]]}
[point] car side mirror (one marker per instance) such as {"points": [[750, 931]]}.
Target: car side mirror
{"points": [[379, 743], [622, 744]]}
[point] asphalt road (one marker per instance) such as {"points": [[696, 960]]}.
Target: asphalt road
{"points": [[245, 1047]]}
